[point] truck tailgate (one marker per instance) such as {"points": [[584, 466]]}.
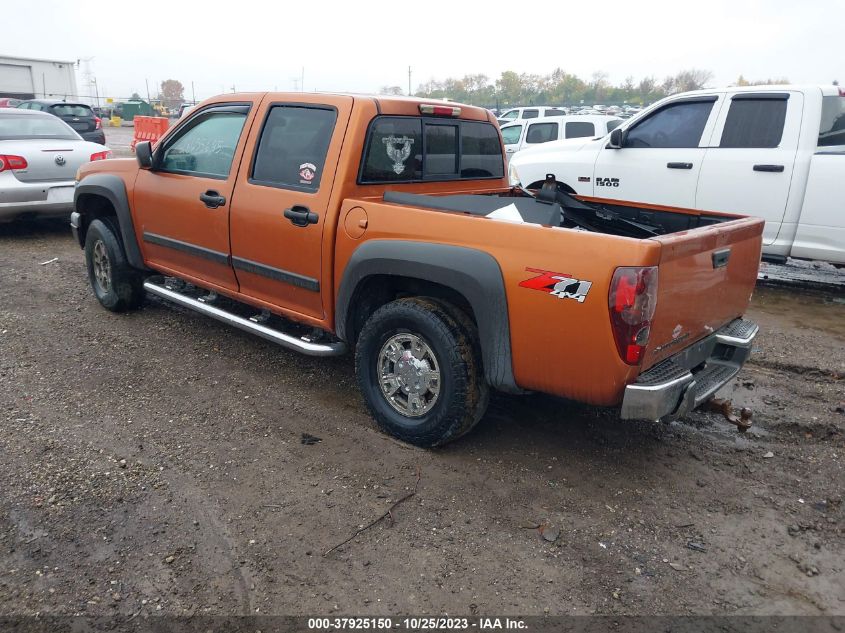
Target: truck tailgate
{"points": [[705, 279]]}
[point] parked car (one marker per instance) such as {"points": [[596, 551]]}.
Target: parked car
{"points": [[524, 134], [9, 102], [39, 156], [775, 152], [533, 112], [403, 241], [79, 116]]}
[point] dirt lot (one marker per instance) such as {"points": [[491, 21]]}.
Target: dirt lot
{"points": [[152, 463]]}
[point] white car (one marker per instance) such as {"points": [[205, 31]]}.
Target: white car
{"points": [[39, 156], [776, 152], [532, 112], [525, 134]]}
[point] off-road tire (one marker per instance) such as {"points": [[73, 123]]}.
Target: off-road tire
{"points": [[124, 289], [463, 393]]}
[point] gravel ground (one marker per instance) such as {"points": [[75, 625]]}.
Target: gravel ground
{"points": [[153, 463]]}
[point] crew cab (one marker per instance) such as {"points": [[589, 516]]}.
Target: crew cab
{"points": [[774, 152], [386, 225]]}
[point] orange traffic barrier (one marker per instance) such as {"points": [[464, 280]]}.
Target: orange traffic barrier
{"points": [[148, 128]]}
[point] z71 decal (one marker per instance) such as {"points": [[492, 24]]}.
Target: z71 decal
{"points": [[560, 285], [607, 182]]}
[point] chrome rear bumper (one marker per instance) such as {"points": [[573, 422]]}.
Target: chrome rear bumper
{"points": [[677, 385]]}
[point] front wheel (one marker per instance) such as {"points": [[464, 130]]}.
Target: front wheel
{"points": [[117, 286], [420, 372]]}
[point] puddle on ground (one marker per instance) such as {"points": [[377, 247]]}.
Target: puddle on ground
{"points": [[803, 308]]}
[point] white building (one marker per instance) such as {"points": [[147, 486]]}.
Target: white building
{"points": [[37, 78]]}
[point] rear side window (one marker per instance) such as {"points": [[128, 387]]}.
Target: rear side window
{"points": [[754, 123], [832, 129], [411, 149], [206, 146], [71, 110], [580, 129], [293, 146], [511, 134], [530, 114], [676, 125], [554, 112], [541, 133]]}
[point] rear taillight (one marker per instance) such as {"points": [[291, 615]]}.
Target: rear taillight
{"points": [[9, 162], [633, 298], [101, 155], [98, 123]]}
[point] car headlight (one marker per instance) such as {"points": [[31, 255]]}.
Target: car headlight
{"points": [[513, 175]]}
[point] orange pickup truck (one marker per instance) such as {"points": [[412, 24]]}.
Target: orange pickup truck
{"points": [[386, 225]]}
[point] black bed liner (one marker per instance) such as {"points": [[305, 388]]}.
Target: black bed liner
{"points": [[556, 208], [531, 209]]}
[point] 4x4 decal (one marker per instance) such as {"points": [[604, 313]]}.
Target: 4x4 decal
{"points": [[560, 285]]}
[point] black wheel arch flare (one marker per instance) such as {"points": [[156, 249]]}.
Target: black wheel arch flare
{"points": [[472, 273]]}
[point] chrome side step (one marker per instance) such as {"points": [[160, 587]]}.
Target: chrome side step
{"points": [[335, 348]]}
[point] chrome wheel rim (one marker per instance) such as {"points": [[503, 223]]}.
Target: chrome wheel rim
{"points": [[409, 375], [102, 266]]}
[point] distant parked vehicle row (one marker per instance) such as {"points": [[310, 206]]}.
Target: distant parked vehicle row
{"points": [[79, 116], [523, 134], [39, 156]]}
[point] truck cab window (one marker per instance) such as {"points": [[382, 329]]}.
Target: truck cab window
{"points": [[541, 133], [293, 146], [530, 114], [580, 129], [395, 151], [832, 128], [206, 146], [754, 123], [676, 125]]}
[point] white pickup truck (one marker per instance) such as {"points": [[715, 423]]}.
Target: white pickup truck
{"points": [[776, 152]]}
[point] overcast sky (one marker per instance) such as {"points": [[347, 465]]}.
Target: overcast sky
{"points": [[362, 46]]}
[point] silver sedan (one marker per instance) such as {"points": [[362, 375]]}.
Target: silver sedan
{"points": [[39, 156]]}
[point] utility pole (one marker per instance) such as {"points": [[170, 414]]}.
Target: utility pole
{"points": [[147, 83], [302, 83], [409, 81], [193, 94]]}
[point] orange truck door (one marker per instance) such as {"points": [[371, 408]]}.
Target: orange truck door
{"points": [[282, 199], [182, 204]]}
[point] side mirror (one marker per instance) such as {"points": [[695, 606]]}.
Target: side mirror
{"points": [[616, 139], [144, 154]]}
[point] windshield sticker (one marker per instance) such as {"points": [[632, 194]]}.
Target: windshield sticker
{"points": [[398, 150], [559, 285], [307, 171]]}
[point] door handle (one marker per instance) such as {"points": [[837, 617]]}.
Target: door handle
{"points": [[679, 165], [301, 216], [212, 199], [774, 168]]}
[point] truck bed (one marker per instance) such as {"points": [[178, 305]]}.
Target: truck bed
{"points": [[566, 211]]}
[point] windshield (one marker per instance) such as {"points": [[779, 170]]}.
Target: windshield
{"points": [[22, 126], [511, 134]]}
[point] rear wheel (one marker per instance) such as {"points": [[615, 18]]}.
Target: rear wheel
{"points": [[420, 372], [117, 286]]}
